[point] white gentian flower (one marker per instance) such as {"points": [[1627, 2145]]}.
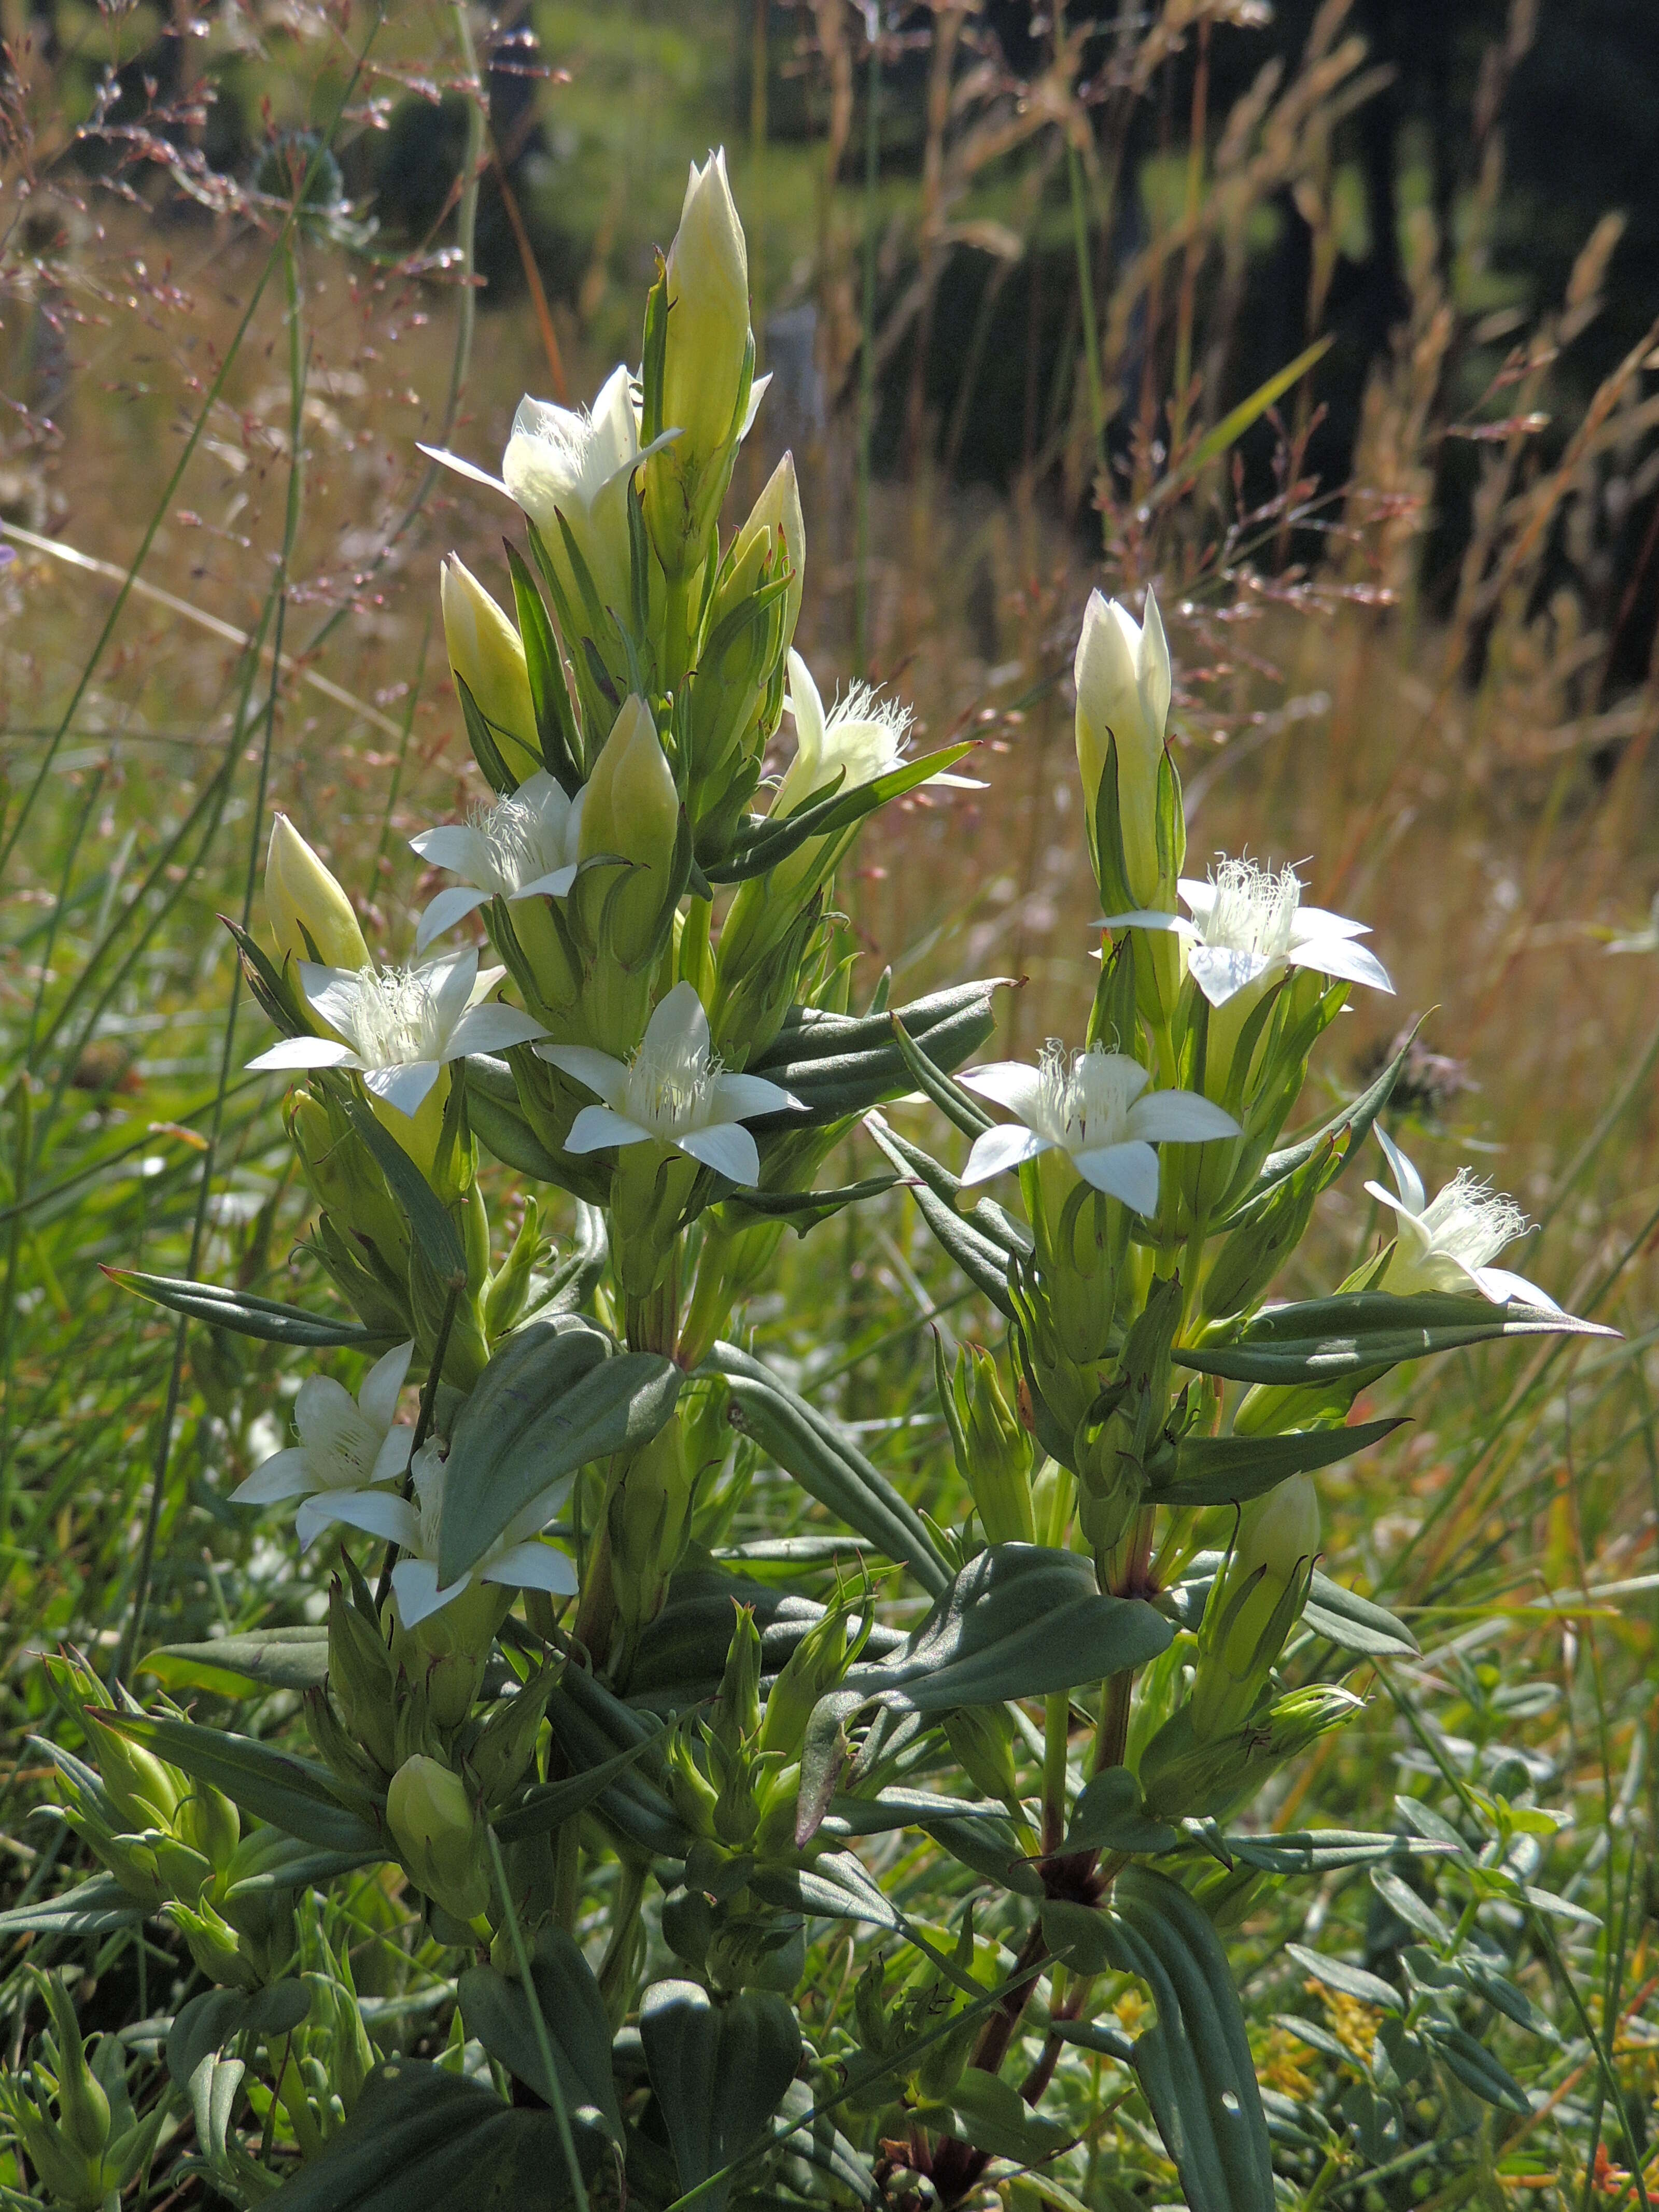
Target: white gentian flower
{"points": [[574, 461], [1448, 1242], [517, 1557], [862, 737], [1248, 924], [399, 1025], [523, 846], [672, 1092], [1090, 1105], [346, 1444]]}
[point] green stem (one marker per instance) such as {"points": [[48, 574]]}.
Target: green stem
{"points": [[1057, 1717]]}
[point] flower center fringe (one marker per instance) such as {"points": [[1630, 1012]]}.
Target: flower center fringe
{"points": [[395, 1019], [1254, 909]]}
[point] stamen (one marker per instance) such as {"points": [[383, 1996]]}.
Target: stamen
{"points": [[395, 1018], [1470, 1222], [1254, 909]]}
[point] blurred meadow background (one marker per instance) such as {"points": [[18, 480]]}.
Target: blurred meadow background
{"points": [[1336, 322]]}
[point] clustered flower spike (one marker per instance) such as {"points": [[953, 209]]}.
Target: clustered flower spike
{"points": [[673, 1091], [524, 846], [347, 1446], [1248, 924], [399, 1026], [860, 737], [1449, 1241], [1095, 1106]]}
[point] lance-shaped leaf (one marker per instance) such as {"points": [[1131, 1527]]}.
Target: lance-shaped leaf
{"points": [[429, 1220], [720, 2073], [1018, 1621], [557, 1396], [498, 2013], [294, 1794], [498, 1119], [1351, 1123], [591, 1727], [94, 1907], [1476, 2069], [230, 1665], [551, 1804], [1195, 2064], [268, 1319], [1109, 1816], [682, 1654], [801, 1209], [766, 843], [1228, 1470], [843, 1064], [835, 1886], [1364, 1333], [420, 2135], [1355, 1623], [827, 1465], [210, 2021], [982, 1240], [1314, 1850]]}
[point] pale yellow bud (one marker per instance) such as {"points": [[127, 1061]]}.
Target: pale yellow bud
{"points": [[707, 314], [438, 1835], [778, 508], [300, 891], [1279, 1532], [1123, 681], [487, 654]]}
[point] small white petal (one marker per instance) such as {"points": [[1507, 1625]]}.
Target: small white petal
{"points": [[534, 1566], [392, 1458], [740, 1098], [307, 1052], [383, 1383], [405, 1088], [376, 1512], [554, 884], [1407, 1180], [678, 1027], [336, 993], [1179, 1117], [491, 1029], [446, 910], [1008, 1146], [1147, 918], [605, 1077], [1199, 897], [450, 981], [596, 1128], [727, 1147], [1320, 921], [415, 1584], [1222, 974], [1344, 957], [455, 846], [1128, 1172], [468, 469], [284, 1475], [1007, 1083], [1500, 1286]]}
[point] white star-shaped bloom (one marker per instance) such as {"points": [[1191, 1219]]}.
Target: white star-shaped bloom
{"points": [[862, 737], [1448, 1242], [523, 846], [397, 1026], [1095, 1106], [1248, 924], [346, 1443], [673, 1091], [518, 1558]]}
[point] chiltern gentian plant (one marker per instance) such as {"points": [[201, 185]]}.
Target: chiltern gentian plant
{"points": [[609, 1810]]}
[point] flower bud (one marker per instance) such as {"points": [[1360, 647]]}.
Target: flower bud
{"points": [[487, 654], [143, 1790], [83, 2116], [1122, 674], [777, 515], [648, 1518], [810, 1672], [439, 1836], [632, 813], [502, 1751], [209, 1822], [309, 915], [362, 1679], [735, 1719], [214, 1945], [1255, 1605], [447, 1653], [982, 1741], [706, 363], [993, 1450]]}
